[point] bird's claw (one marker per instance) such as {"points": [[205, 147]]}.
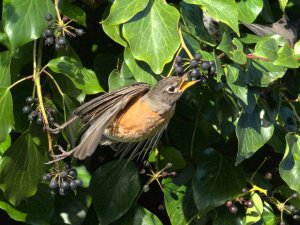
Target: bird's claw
{"points": [[55, 130], [61, 156]]}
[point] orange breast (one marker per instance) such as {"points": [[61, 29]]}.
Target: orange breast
{"points": [[136, 122]]}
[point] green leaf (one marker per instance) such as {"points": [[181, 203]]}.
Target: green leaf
{"points": [[72, 208], [74, 12], [140, 70], [290, 165], [117, 79], [83, 78], [225, 11], [179, 202], [263, 73], [152, 34], [282, 4], [43, 213], [223, 216], [123, 10], [6, 112], [5, 144], [249, 10], [193, 19], [268, 216], [24, 19], [5, 77], [21, 168], [254, 213], [225, 44], [138, 216], [11, 211], [115, 182], [214, 171], [114, 32], [237, 55], [253, 131], [287, 57], [234, 77], [288, 117]]}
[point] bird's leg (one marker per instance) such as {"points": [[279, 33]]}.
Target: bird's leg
{"points": [[58, 127], [61, 156]]}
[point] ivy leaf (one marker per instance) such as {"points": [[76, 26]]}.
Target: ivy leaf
{"points": [[140, 70], [5, 77], [253, 131], [234, 78], [152, 34], [21, 168], [121, 79], [83, 78], [117, 181], [282, 4], [123, 10], [24, 19], [216, 170], [268, 216], [287, 57], [223, 216], [225, 11], [290, 165], [179, 202], [249, 10], [193, 20], [10, 210], [138, 216], [74, 12], [114, 32], [254, 213], [5, 144], [225, 45], [6, 112]]}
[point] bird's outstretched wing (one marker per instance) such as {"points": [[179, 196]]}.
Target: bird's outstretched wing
{"points": [[99, 112]]}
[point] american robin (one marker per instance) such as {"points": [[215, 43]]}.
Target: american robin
{"points": [[134, 116]]}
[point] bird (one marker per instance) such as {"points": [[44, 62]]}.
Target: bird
{"points": [[132, 119], [285, 27]]}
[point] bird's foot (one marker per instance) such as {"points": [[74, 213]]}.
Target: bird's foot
{"points": [[55, 130], [61, 156]]}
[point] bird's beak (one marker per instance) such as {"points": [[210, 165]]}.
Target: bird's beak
{"points": [[185, 83]]}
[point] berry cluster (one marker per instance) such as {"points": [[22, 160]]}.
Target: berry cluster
{"points": [[63, 181], [36, 114], [55, 33], [196, 68], [245, 202], [155, 175], [290, 209]]}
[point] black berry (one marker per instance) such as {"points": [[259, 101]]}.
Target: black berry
{"points": [[48, 33], [179, 69], [78, 182], [169, 165], [292, 208], [193, 63], [212, 70], [65, 18], [205, 65], [30, 117], [296, 217], [29, 100], [249, 204], [26, 109], [178, 59], [268, 176], [244, 190], [63, 174], [59, 29], [51, 120], [194, 73], [61, 41], [47, 177], [65, 185], [53, 184], [294, 195], [49, 17], [63, 192], [57, 46], [73, 173], [228, 203], [39, 121], [49, 41], [198, 56], [79, 32], [73, 185], [49, 23], [233, 209], [282, 223]]}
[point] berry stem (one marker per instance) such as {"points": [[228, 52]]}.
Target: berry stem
{"points": [[258, 168], [55, 82], [37, 81], [183, 45], [20, 81], [57, 11]]}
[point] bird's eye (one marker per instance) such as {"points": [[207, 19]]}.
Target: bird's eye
{"points": [[170, 89]]}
